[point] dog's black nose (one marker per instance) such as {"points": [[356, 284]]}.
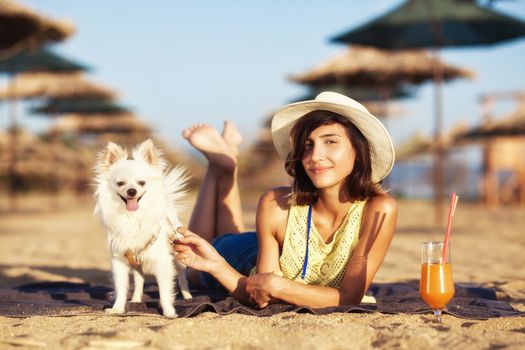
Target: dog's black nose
{"points": [[132, 192]]}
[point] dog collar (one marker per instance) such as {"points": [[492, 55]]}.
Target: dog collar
{"points": [[133, 256]]}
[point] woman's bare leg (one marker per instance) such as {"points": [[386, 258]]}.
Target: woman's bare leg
{"points": [[203, 219], [229, 208], [218, 207]]}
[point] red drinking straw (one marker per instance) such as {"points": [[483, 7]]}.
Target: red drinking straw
{"points": [[452, 208]]}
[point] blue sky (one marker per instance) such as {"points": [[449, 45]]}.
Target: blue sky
{"points": [[180, 62]]}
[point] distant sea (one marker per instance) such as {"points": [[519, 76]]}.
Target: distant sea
{"points": [[414, 179]]}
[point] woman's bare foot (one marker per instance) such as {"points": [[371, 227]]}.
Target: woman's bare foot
{"points": [[232, 137], [208, 140]]}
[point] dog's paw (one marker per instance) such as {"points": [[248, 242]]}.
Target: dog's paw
{"points": [[169, 312], [186, 294], [115, 310], [136, 299]]}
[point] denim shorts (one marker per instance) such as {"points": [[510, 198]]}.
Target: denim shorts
{"points": [[239, 250]]}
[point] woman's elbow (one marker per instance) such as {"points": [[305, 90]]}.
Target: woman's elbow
{"points": [[352, 298]]}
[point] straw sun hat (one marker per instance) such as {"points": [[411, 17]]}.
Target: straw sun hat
{"points": [[381, 147]]}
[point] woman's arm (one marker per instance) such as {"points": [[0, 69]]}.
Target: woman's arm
{"points": [[197, 253], [377, 230], [265, 287], [272, 214]]}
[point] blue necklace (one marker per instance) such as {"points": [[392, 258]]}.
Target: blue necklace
{"points": [[308, 225]]}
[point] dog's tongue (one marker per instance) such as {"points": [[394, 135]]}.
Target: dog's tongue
{"points": [[132, 204]]}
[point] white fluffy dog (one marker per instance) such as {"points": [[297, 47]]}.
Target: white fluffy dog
{"points": [[136, 202]]}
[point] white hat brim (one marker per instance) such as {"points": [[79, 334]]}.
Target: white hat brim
{"points": [[381, 147]]}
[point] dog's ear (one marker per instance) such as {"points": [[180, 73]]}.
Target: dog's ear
{"points": [[110, 155], [149, 153], [114, 153]]}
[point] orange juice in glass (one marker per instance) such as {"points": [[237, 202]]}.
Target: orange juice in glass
{"points": [[436, 286]]}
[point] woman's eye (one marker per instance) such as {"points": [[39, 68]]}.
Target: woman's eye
{"points": [[120, 183], [142, 182], [330, 141]]}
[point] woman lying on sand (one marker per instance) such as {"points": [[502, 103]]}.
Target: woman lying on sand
{"points": [[319, 242]]}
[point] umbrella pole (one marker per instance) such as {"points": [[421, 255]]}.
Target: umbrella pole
{"points": [[490, 180], [52, 174], [438, 164], [437, 38], [12, 180]]}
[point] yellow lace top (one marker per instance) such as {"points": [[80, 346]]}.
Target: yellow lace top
{"points": [[326, 261]]}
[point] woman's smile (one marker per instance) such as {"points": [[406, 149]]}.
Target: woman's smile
{"points": [[320, 169]]}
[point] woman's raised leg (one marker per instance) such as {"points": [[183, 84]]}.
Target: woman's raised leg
{"points": [[229, 208], [203, 215], [218, 207]]}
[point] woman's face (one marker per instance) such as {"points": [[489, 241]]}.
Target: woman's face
{"points": [[329, 156]]}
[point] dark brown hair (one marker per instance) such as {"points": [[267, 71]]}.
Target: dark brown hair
{"points": [[358, 185]]}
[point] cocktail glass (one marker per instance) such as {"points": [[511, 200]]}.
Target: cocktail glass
{"points": [[436, 286]]}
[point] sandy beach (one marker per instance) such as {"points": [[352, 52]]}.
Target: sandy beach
{"points": [[67, 244]]}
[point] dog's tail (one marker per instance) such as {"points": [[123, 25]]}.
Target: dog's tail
{"points": [[176, 186]]}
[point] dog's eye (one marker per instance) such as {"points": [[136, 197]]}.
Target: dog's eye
{"points": [[120, 183], [142, 182]]}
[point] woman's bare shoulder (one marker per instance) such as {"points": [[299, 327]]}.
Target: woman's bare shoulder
{"points": [[272, 211], [383, 203], [380, 210], [276, 199]]}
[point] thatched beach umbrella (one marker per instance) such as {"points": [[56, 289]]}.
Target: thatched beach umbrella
{"points": [[436, 23], [22, 28], [416, 144], [80, 106], [103, 113], [35, 161], [419, 144], [39, 61], [359, 93], [367, 66], [124, 128], [360, 70], [59, 85], [503, 143], [513, 125], [123, 123]]}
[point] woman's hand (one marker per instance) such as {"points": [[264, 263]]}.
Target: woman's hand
{"points": [[195, 252], [260, 288]]}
